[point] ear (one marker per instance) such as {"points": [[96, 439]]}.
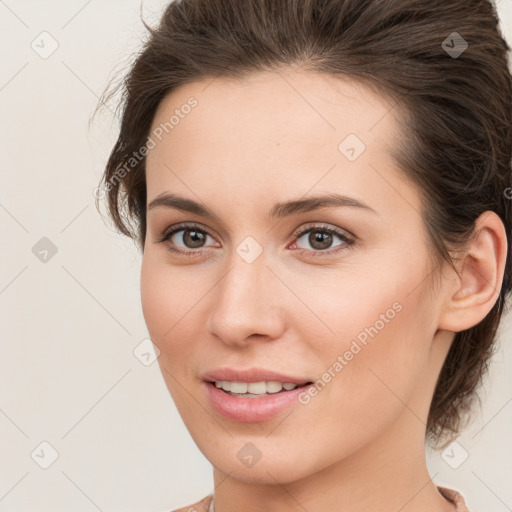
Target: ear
{"points": [[472, 294]]}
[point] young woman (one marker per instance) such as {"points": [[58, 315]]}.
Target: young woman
{"points": [[321, 190]]}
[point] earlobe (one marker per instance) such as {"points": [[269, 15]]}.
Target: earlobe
{"points": [[473, 293]]}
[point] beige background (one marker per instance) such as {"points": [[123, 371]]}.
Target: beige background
{"points": [[69, 326]]}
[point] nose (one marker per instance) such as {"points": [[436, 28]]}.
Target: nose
{"points": [[246, 304]]}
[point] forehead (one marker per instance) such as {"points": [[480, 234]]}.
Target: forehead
{"points": [[271, 131], [270, 101]]}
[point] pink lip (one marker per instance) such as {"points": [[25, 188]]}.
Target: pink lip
{"points": [[251, 409], [252, 375]]}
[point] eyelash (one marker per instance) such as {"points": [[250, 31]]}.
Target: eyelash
{"points": [[298, 234]]}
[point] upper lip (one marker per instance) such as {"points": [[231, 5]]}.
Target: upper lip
{"points": [[250, 375]]}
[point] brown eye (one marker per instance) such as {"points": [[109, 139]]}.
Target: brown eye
{"points": [[193, 238], [321, 238], [185, 239]]}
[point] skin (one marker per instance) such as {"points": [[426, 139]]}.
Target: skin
{"points": [[359, 444]]}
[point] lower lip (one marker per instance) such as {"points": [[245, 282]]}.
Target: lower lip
{"points": [[251, 409]]}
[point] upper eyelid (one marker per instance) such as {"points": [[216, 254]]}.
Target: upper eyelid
{"points": [[301, 231]]}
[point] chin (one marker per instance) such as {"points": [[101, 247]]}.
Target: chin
{"points": [[275, 463]]}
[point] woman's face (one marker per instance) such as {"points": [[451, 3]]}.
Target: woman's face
{"points": [[241, 296]]}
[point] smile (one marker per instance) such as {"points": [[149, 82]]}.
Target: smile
{"points": [[252, 401]]}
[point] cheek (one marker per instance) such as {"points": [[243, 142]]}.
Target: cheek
{"points": [[382, 333], [156, 298], [169, 298], [169, 304], [369, 369]]}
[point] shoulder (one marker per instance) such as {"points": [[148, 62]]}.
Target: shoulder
{"points": [[455, 497], [200, 506]]}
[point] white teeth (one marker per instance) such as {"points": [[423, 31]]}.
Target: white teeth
{"points": [[254, 388], [274, 386], [238, 387]]}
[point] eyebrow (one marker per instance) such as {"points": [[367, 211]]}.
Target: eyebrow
{"points": [[279, 210]]}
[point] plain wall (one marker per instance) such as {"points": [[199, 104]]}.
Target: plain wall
{"points": [[69, 325]]}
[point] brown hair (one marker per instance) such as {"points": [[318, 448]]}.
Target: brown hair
{"points": [[457, 110]]}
